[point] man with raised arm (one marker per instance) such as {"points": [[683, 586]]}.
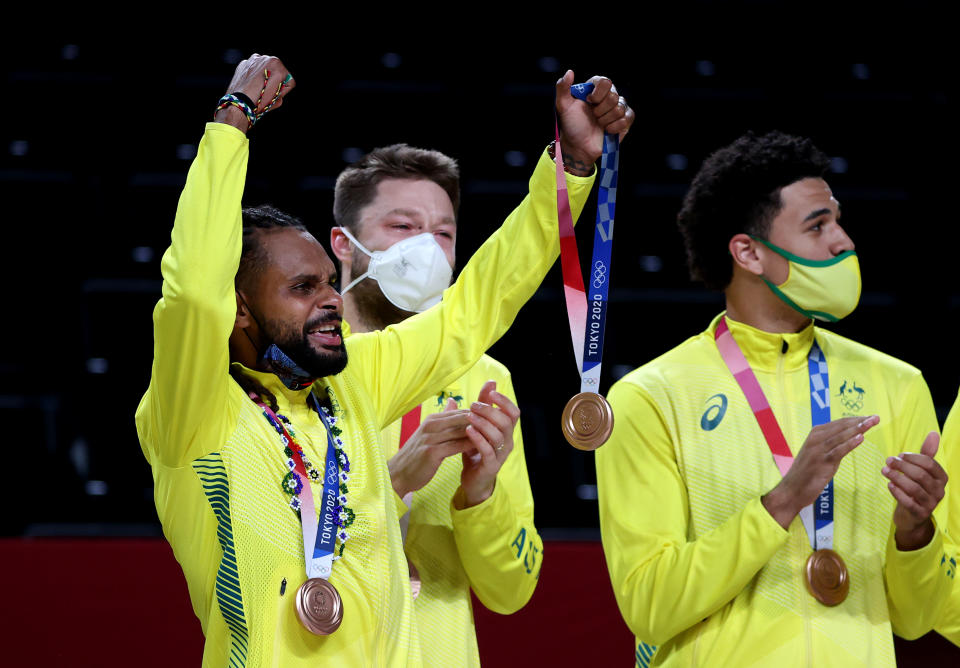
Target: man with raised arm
{"points": [[766, 497], [470, 525], [264, 442]]}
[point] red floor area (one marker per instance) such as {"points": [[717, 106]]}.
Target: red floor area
{"points": [[122, 602]]}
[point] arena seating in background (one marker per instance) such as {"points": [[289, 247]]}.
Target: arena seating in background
{"points": [[95, 194]]}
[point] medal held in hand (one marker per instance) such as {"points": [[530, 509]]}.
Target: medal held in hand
{"points": [[825, 573], [588, 418]]}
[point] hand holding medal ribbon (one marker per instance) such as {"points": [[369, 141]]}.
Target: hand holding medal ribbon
{"points": [[587, 420]]}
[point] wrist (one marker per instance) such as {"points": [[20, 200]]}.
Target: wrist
{"points": [[579, 163], [468, 498], [574, 162], [232, 116], [780, 506], [397, 480], [915, 538]]}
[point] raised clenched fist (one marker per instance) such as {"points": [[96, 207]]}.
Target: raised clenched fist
{"points": [[265, 81]]}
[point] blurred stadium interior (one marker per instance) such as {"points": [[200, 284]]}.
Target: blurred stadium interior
{"points": [[92, 185]]}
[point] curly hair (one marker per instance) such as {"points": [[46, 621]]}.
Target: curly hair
{"points": [[357, 185], [253, 257], [253, 260], [737, 190]]}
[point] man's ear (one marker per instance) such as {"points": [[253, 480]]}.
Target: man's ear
{"points": [[244, 319], [341, 246], [747, 253]]}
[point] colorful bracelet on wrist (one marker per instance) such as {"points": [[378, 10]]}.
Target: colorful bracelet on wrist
{"points": [[241, 102]]}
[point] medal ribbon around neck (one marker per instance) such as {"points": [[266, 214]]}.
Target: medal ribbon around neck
{"points": [[587, 419], [817, 518], [319, 531]]}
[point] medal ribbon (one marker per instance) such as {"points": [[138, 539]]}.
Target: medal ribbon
{"points": [[818, 518], [408, 425], [319, 531], [588, 341]]}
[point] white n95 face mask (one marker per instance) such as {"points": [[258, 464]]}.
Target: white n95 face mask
{"points": [[412, 273]]}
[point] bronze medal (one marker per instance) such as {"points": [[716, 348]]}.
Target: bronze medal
{"points": [[319, 607], [587, 421], [827, 578]]}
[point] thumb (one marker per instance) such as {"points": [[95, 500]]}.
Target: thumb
{"points": [[563, 90], [451, 405], [484, 395], [930, 444]]}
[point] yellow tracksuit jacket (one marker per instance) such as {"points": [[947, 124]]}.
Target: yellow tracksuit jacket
{"points": [[218, 465], [949, 623], [493, 547], [703, 575]]}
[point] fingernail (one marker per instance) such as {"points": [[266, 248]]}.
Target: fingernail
{"points": [[890, 460], [858, 438], [885, 470], [478, 404]]}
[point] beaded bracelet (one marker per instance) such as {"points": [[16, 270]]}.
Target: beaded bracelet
{"points": [[232, 99], [246, 105]]}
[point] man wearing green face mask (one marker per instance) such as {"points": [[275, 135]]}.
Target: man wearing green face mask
{"points": [[767, 494]]}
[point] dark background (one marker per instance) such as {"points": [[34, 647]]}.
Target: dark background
{"points": [[91, 187], [98, 137]]}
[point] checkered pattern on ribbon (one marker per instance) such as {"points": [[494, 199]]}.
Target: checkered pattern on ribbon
{"points": [[819, 385], [580, 300], [607, 196]]}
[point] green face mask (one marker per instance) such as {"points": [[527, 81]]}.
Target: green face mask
{"points": [[823, 289]]}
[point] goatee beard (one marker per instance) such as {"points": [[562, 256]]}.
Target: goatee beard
{"points": [[297, 347], [373, 308]]}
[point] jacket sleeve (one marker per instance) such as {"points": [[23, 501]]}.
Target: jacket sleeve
{"points": [[185, 410], [664, 582], [497, 540], [919, 582], [948, 625], [403, 364]]}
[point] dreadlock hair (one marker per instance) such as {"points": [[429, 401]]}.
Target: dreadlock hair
{"points": [[253, 256], [737, 190], [253, 260], [357, 184]]}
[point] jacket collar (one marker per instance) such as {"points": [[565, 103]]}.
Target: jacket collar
{"points": [[768, 350]]}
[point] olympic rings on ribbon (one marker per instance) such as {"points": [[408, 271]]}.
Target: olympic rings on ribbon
{"points": [[599, 274]]}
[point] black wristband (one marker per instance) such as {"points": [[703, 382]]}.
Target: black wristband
{"points": [[246, 100]]}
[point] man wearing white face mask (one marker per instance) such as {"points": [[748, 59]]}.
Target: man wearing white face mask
{"points": [[767, 494], [470, 523]]}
